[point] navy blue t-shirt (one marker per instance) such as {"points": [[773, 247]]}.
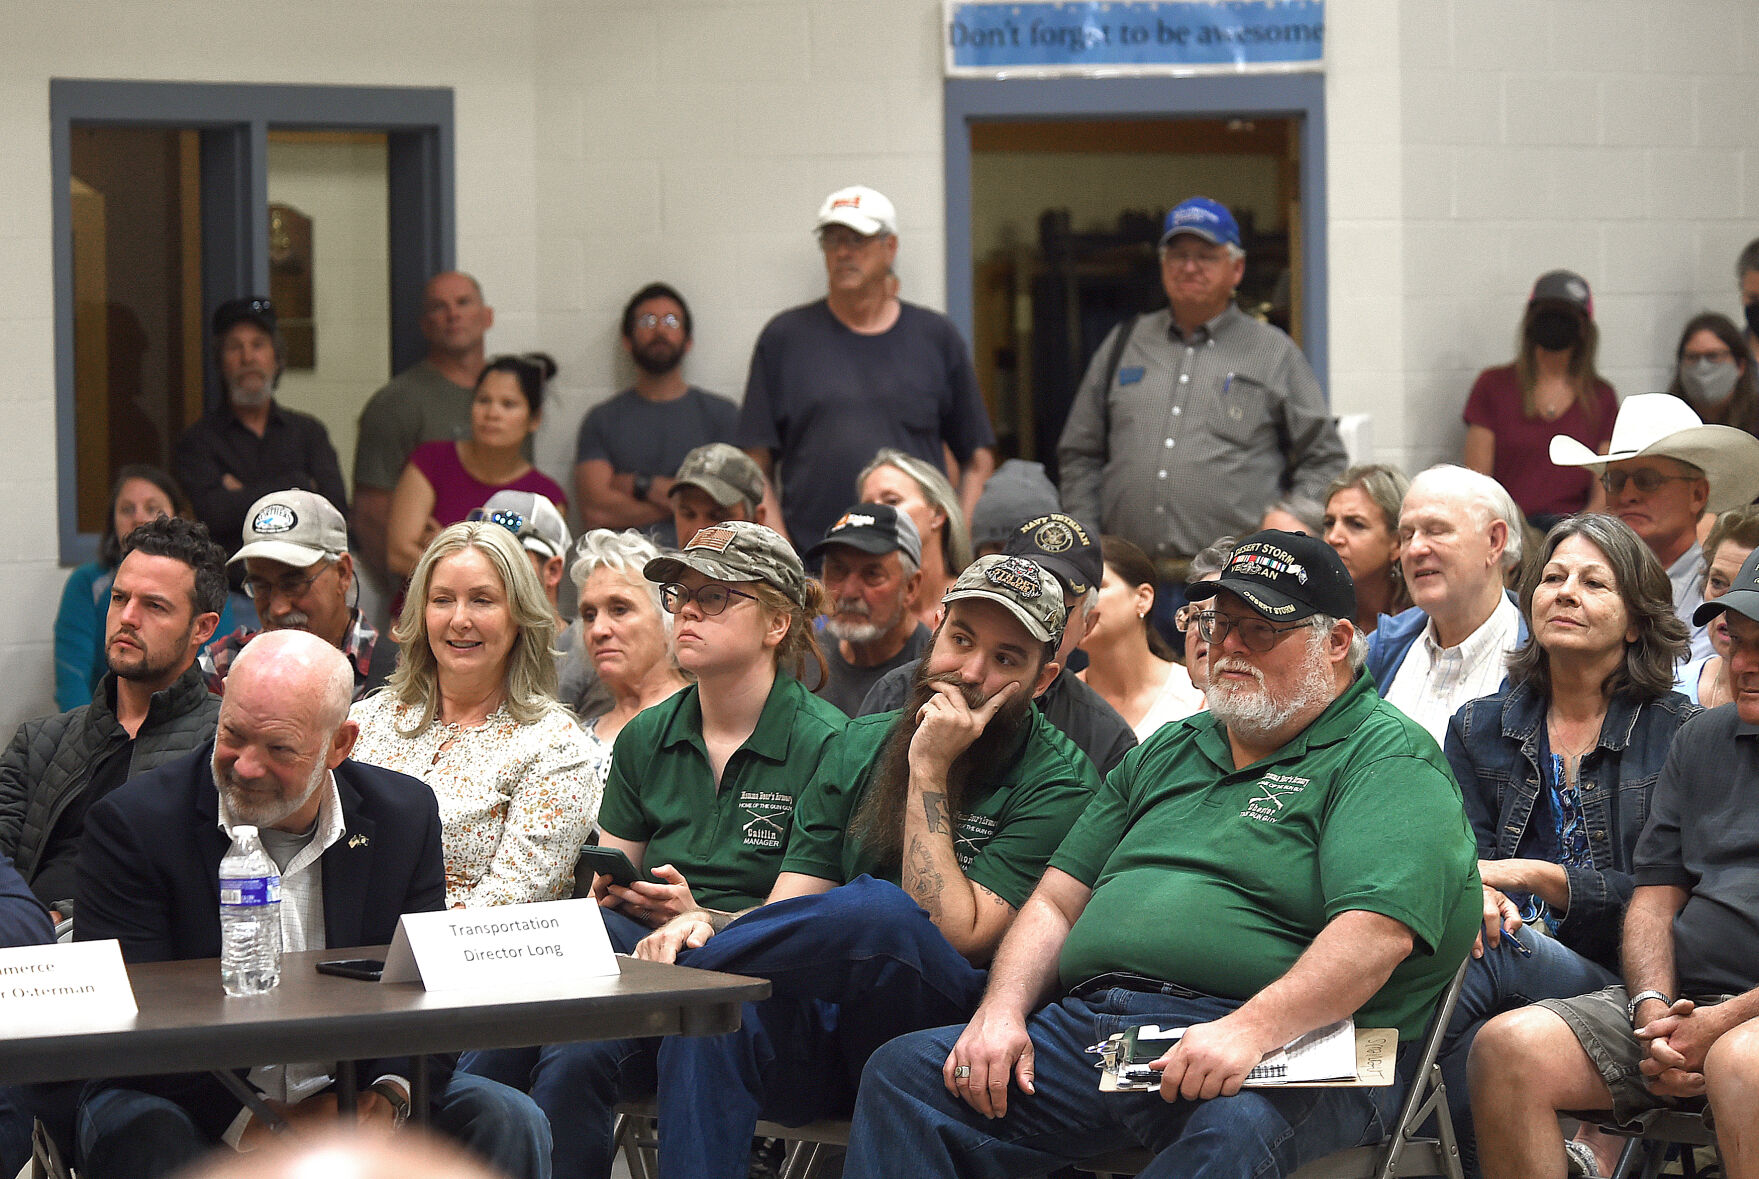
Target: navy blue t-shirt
{"points": [[641, 437], [825, 399]]}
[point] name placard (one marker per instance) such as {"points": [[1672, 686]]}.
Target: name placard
{"points": [[76, 983], [535, 945]]}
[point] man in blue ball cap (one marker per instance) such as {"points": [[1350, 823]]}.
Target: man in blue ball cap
{"points": [[1190, 421]]}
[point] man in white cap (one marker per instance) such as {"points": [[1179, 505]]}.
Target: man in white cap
{"points": [[835, 380], [300, 574], [542, 533], [1662, 472]]}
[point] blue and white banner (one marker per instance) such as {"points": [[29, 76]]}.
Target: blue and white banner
{"points": [[1116, 38]]}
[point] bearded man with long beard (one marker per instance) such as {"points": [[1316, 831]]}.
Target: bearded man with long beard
{"points": [[918, 839], [1296, 855]]}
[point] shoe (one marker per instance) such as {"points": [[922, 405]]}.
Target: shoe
{"points": [[1579, 1160], [767, 1156]]}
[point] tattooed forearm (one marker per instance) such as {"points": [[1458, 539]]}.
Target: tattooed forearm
{"points": [[922, 880], [934, 812]]}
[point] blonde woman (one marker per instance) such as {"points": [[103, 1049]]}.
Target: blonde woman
{"points": [[471, 710], [923, 493]]}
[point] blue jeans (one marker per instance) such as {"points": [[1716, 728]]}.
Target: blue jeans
{"points": [[1503, 980], [849, 970], [906, 1123], [578, 1086], [127, 1134]]}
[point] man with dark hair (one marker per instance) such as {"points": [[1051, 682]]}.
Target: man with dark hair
{"points": [[715, 482], [356, 846], [427, 402], [1233, 878], [151, 706], [300, 575], [1681, 1027], [872, 564], [1063, 546], [630, 445], [248, 445], [859, 370]]}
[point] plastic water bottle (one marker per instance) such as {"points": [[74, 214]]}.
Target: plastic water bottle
{"points": [[250, 916]]}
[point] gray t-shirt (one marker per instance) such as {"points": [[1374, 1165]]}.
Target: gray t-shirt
{"points": [[1703, 836], [642, 437], [848, 685], [417, 405]]}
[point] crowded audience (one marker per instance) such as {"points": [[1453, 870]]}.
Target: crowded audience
{"points": [[1495, 712]]}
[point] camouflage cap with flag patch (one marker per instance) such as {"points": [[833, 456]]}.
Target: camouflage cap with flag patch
{"points": [[735, 550]]}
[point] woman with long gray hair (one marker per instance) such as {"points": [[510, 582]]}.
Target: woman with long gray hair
{"points": [[924, 494]]}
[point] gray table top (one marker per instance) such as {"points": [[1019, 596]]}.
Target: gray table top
{"points": [[186, 1022]]}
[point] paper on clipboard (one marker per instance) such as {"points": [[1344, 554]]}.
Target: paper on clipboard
{"points": [[1376, 1052]]}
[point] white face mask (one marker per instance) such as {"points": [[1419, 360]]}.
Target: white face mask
{"points": [[1709, 381]]}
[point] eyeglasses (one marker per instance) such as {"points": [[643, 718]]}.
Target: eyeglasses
{"points": [[1179, 259], [711, 599], [1647, 481], [1258, 635], [651, 321], [261, 589], [513, 522]]}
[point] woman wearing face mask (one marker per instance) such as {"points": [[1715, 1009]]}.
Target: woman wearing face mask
{"points": [[1713, 373], [1551, 388]]}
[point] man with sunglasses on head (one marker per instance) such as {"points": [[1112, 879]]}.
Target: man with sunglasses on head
{"points": [[299, 573], [630, 445], [1662, 471], [249, 445], [1234, 878], [835, 380]]}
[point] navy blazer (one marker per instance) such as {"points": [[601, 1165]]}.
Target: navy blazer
{"points": [[149, 876]]}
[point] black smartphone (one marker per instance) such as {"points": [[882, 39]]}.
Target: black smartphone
{"points": [[608, 861], [366, 969]]}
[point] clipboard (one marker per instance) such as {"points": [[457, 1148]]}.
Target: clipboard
{"points": [[1376, 1054]]}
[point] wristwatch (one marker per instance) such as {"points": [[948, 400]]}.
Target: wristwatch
{"points": [[643, 485], [1640, 998]]}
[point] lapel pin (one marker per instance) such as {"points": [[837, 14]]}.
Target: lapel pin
{"points": [[358, 841]]}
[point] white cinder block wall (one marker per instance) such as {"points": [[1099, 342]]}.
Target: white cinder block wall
{"points": [[1471, 145]]}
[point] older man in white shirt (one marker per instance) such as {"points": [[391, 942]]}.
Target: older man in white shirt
{"points": [[1459, 535]]}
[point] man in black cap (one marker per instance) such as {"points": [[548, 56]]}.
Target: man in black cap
{"points": [[1685, 1024], [872, 565], [1232, 878], [247, 446], [1062, 545]]}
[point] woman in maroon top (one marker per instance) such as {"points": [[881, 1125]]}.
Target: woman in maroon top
{"points": [[1551, 388], [443, 481]]}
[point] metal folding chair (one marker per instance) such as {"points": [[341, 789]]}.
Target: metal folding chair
{"points": [[809, 1146]]}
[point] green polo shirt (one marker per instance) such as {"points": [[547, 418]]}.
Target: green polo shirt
{"points": [[1013, 816], [1218, 879], [728, 843]]}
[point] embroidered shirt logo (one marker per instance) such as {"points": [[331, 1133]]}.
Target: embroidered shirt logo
{"points": [[1273, 793], [763, 821]]}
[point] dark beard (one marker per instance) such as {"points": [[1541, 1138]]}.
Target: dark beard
{"points": [[878, 822], [657, 357]]}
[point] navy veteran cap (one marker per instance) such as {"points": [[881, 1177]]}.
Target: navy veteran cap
{"points": [[1063, 546], [1285, 576], [1742, 597], [1023, 587]]}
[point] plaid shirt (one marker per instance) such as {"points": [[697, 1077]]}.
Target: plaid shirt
{"points": [[357, 645]]}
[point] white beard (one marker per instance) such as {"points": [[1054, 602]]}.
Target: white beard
{"points": [[1254, 714]]}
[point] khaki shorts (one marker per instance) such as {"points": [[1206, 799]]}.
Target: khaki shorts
{"points": [[1604, 1030]]}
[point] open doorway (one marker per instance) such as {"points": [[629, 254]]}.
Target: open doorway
{"points": [[1065, 218]]}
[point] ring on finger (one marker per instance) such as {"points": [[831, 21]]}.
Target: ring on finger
{"points": [[960, 1072]]}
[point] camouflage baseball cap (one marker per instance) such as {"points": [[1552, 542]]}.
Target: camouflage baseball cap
{"points": [[1022, 586], [736, 550], [724, 472]]}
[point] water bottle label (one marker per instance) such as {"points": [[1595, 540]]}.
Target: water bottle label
{"points": [[254, 890]]}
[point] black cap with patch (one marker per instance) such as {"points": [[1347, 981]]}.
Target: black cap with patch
{"points": [[1063, 546], [1285, 576], [1742, 597]]}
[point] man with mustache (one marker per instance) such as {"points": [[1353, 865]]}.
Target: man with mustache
{"points": [[917, 840], [150, 707], [872, 564], [248, 446], [300, 575], [629, 446], [357, 846], [1295, 855]]}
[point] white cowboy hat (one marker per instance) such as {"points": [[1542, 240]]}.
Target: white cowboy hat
{"points": [[1663, 426]]}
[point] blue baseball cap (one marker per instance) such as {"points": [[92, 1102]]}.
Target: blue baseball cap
{"points": [[1207, 219]]}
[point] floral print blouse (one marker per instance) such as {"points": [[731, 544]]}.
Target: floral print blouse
{"points": [[516, 800]]}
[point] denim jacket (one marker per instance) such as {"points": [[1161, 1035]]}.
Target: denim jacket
{"points": [[1493, 746]]}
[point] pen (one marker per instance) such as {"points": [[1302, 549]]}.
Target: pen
{"points": [[1516, 942]]}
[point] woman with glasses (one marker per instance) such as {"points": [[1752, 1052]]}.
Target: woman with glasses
{"points": [[443, 480], [1551, 388], [700, 797], [1556, 771], [471, 710], [1205, 566], [1713, 373]]}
